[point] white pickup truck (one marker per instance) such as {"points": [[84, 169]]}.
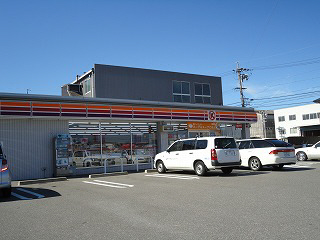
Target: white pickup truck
{"points": [[305, 153]]}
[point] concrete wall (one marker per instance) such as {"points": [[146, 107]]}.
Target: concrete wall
{"points": [[29, 146], [143, 84]]}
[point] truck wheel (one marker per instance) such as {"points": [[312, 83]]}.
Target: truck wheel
{"points": [[200, 168], [160, 167], [87, 163]]}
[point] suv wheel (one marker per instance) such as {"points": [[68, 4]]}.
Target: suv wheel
{"points": [[255, 164], [301, 156], [160, 167], [226, 170], [200, 168]]}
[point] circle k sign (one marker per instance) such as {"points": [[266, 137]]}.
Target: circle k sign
{"points": [[212, 115]]}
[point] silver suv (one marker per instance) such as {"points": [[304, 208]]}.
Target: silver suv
{"points": [[5, 176]]}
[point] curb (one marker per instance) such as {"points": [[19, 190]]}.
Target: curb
{"points": [[150, 170], [44, 180], [107, 174]]}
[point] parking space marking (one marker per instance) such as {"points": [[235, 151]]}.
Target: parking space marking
{"points": [[102, 184], [32, 193], [19, 196], [172, 176], [120, 184]]}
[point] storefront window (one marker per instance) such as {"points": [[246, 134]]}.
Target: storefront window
{"points": [[85, 144], [144, 144], [119, 144]]}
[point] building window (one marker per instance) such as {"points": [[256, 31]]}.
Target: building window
{"points": [[181, 91], [305, 116], [293, 130], [281, 118], [202, 93], [292, 117], [313, 115], [86, 86]]}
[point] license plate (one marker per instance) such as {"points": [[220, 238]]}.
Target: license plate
{"points": [[230, 153], [286, 154]]}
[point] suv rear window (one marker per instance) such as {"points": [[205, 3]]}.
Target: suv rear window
{"points": [[279, 143], [224, 143]]}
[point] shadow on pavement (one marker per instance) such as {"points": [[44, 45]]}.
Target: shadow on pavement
{"points": [[27, 193]]}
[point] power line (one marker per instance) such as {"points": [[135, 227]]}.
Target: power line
{"points": [[280, 98], [289, 64], [265, 28], [288, 104], [285, 96]]}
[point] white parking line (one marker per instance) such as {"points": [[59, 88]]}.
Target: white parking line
{"points": [[172, 176], [120, 184], [32, 193], [19, 196], [106, 185]]}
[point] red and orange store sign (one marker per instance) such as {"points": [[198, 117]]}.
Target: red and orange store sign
{"points": [[86, 110]]}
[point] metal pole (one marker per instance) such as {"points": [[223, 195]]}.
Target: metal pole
{"points": [[100, 142], [243, 128]]}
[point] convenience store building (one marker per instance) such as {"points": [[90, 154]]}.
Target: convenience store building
{"points": [[109, 134]]}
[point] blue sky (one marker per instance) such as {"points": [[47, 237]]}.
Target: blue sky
{"points": [[45, 44]]}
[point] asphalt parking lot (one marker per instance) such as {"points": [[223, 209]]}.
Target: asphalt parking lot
{"points": [[177, 205]]}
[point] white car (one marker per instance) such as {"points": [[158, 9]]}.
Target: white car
{"points": [[256, 153], [200, 154], [5, 176], [306, 153]]}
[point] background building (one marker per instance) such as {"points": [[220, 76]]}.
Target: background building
{"points": [[301, 121], [105, 81], [264, 127]]}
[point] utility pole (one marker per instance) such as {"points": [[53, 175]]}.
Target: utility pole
{"points": [[241, 78]]}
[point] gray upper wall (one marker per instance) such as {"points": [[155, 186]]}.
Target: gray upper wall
{"points": [[144, 84]]}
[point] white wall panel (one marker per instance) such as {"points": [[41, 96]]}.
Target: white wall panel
{"points": [[29, 146]]}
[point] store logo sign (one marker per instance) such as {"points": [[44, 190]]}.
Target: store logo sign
{"points": [[212, 115]]}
